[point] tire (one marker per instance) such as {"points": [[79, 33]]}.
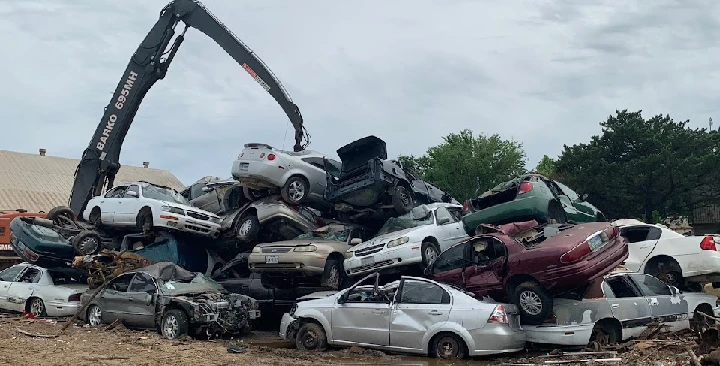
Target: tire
{"points": [[430, 252], [448, 346], [333, 275], [87, 242], [144, 221], [36, 306], [253, 194], [668, 271], [94, 218], [60, 211], [533, 301], [605, 334], [94, 316], [402, 200], [296, 190], [311, 337], [556, 213], [247, 228], [701, 323], [174, 324]]}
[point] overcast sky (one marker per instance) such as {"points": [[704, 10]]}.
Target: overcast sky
{"points": [[544, 73]]}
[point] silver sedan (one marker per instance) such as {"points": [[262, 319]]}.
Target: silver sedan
{"points": [[40, 291], [412, 315]]}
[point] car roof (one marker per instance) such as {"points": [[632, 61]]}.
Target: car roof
{"points": [[435, 205]]}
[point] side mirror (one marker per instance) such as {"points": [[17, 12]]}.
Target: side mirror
{"points": [[341, 300], [206, 189], [443, 220], [355, 241], [584, 197], [131, 194], [674, 290]]}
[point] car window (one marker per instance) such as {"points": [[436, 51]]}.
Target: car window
{"points": [[142, 283], [456, 212], [67, 277], [196, 190], [122, 282], [421, 292], [30, 275], [116, 192], [132, 188], [366, 295], [450, 259], [9, 274], [634, 234], [607, 290], [443, 213], [487, 249], [316, 162], [651, 286], [567, 191], [621, 288]]}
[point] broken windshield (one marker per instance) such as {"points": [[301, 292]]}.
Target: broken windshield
{"points": [[324, 235], [163, 194], [419, 216], [198, 284]]}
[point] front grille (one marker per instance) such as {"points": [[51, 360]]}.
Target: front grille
{"points": [[197, 215], [276, 250], [369, 250], [371, 266], [197, 228]]}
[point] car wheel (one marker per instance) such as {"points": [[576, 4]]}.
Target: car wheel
{"points": [[668, 271], [254, 194], [430, 252], [333, 274], [402, 200], [556, 214], [61, 216], [144, 221], [87, 242], [534, 302], [174, 324], [36, 307], [296, 190], [448, 346], [311, 337], [247, 228], [604, 334], [94, 316], [94, 218]]}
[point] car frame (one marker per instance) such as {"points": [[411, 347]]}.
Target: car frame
{"points": [[529, 264], [452, 324], [146, 213]]}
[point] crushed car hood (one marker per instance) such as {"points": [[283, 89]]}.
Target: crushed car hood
{"points": [[189, 208], [385, 237]]}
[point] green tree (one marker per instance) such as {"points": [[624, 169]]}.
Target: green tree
{"points": [[637, 166], [464, 163], [546, 166]]}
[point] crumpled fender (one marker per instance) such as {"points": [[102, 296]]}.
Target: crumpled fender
{"points": [[448, 327], [318, 316]]}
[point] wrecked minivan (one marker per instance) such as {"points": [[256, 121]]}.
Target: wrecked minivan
{"points": [[175, 301]]}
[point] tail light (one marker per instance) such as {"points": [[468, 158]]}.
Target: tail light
{"points": [[550, 320], [466, 206], [525, 187], [574, 254], [708, 243], [74, 297], [271, 157], [498, 315]]}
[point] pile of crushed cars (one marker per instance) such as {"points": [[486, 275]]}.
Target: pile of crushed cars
{"points": [[364, 252]]}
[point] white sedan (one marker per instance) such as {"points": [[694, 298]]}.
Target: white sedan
{"points": [[678, 260], [145, 206], [414, 238], [44, 292]]}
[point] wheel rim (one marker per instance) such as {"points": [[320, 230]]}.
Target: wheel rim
{"points": [[530, 302], [95, 316], [244, 229], [671, 279], [171, 326], [296, 190], [334, 277], [37, 307], [310, 339], [447, 347], [430, 255], [89, 245]]}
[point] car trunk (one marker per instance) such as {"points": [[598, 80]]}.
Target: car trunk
{"points": [[355, 155], [256, 151], [543, 237], [498, 195]]}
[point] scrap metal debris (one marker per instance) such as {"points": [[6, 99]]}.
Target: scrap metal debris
{"points": [[108, 264]]}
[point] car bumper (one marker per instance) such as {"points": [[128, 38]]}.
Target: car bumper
{"points": [[287, 324], [497, 338], [704, 267], [258, 174], [61, 308], [288, 263], [403, 255], [565, 335], [183, 223]]}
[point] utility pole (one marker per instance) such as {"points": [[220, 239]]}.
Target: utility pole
{"points": [[710, 123]]}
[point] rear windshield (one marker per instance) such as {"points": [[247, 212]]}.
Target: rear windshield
{"points": [[67, 277]]}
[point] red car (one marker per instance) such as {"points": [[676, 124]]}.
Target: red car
{"points": [[529, 264]]}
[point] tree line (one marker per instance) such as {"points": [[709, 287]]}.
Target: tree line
{"points": [[635, 168]]}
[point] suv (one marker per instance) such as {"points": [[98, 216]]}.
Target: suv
{"points": [[311, 258], [368, 182]]}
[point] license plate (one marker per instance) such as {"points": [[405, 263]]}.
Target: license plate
{"points": [[244, 166], [272, 259], [367, 261], [596, 242]]}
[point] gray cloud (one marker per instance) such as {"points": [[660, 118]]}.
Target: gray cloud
{"points": [[541, 72]]}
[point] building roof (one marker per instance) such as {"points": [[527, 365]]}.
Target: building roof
{"points": [[39, 183]]}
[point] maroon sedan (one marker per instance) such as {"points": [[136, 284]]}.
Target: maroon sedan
{"points": [[530, 264]]}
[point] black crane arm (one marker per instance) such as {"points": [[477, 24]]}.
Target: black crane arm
{"points": [[100, 161]]}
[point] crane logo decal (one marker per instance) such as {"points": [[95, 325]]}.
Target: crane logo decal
{"points": [[256, 77], [119, 104]]}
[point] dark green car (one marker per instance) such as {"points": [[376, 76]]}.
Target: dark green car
{"points": [[528, 197]]}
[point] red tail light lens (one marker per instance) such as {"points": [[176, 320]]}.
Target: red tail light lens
{"points": [[498, 315], [525, 187], [550, 320], [575, 254], [74, 297], [708, 243], [271, 157], [466, 205]]}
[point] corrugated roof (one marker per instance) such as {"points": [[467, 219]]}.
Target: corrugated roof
{"points": [[35, 182]]}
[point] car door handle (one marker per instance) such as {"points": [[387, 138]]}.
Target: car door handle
{"points": [[435, 312], [615, 306]]}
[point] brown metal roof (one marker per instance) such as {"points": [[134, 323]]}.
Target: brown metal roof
{"points": [[36, 183]]}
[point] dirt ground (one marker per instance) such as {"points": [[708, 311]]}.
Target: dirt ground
{"points": [[79, 346]]}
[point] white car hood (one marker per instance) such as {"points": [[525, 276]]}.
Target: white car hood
{"points": [[385, 238], [324, 302], [188, 208]]}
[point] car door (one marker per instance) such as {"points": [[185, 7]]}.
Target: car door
{"points": [[450, 264], [140, 296], [665, 304], [315, 170], [110, 204], [23, 287], [362, 318], [582, 207], [113, 300], [448, 228], [419, 306], [485, 276], [129, 205], [641, 241], [7, 277], [627, 304]]}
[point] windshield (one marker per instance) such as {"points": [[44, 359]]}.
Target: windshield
{"points": [[198, 284], [419, 216], [163, 194], [333, 235]]}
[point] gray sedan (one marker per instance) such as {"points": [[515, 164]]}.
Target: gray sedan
{"points": [[412, 315]]}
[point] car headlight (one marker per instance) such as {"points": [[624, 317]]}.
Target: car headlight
{"points": [[257, 250], [349, 254], [293, 309], [398, 241], [175, 210], [305, 248]]}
